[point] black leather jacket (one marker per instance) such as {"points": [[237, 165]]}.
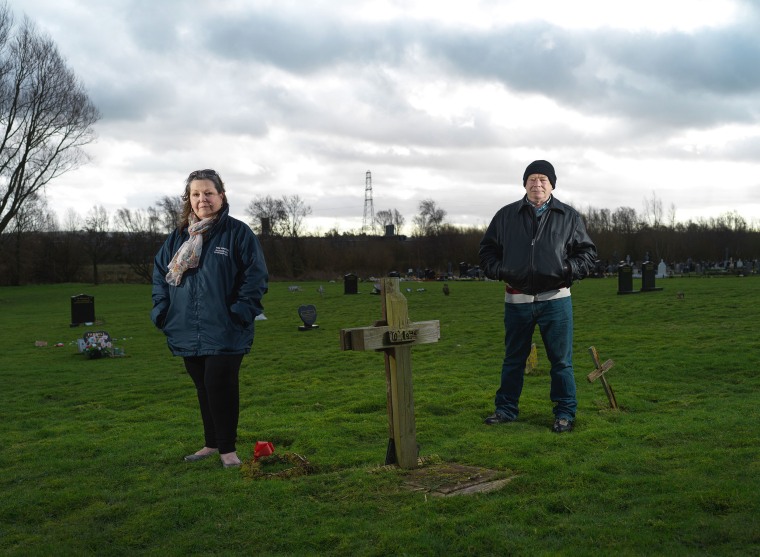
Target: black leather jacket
{"points": [[535, 255]]}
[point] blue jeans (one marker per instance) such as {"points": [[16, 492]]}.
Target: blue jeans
{"points": [[555, 322]]}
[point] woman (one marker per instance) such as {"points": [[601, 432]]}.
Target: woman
{"points": [[208, 281]]}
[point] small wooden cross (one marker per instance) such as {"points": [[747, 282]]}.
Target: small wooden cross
{"points": [[598, 373], [531, 364], [394, 336]]}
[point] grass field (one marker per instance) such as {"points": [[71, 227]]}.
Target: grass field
{"points": [[92, 450]]}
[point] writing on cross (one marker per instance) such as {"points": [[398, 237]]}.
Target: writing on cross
{"points": [[395, 335]]}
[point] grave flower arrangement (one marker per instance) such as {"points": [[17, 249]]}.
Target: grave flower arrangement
{"points": [[97, 348]]}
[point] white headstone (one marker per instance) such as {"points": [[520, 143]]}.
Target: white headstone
{"points": [[662, 269]]}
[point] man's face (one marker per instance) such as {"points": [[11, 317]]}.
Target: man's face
{"points": [[539, 188]]}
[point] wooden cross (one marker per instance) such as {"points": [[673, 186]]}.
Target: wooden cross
{"points": [[394, 336], [598, 373], [531, 364]]}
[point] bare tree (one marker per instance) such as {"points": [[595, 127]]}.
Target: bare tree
{"points": [[96, 237], [390, 216], [46, 116], [625, 221], [143, 237], [32, 217], [597, 220], [429, 221], [63, 250], [672, 215], [169, 212], [268, 216], [296, 211], [653, 211], [72, 221]]}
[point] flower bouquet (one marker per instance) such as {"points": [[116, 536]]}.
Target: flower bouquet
{"points": [[97, 347]]}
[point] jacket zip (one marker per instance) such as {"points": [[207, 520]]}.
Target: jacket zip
{"points": [[541, 226]]}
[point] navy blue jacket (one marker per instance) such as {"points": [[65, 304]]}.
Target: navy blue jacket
{"points": [[536, 255], [213, 309]]}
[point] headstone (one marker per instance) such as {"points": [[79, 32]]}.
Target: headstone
{"points": [[662, 269], [463, 268], [350, 284], [647, 277], [308, 314], [82, 309], [625, 278]]}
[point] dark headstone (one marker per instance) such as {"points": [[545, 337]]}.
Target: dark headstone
{"points": [[648, 271], [625, 279], [350, 284], [308, 314], [82, 309]]}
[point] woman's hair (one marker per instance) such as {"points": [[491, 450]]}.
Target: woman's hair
{"points": [[207, 174]]}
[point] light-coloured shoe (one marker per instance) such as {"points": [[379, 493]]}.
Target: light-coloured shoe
{"points": [[197, 457]]}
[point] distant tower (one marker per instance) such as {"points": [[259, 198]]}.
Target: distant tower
{"points": [[368, 224]]}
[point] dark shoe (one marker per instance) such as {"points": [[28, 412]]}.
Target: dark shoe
{"points": [[197, 457], [497, 418], [562, 425]]}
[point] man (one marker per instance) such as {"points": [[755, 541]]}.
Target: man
{"points": [[538, 246]]}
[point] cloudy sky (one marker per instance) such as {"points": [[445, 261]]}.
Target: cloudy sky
{"points": [[440, 99]]}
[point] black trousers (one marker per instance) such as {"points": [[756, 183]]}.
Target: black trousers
{"points": [[217, 383]]}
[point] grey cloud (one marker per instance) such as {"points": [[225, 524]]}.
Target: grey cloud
{"points": [[299, 45], [527, 58], [131, 97], [721, 62], [667, 80]]}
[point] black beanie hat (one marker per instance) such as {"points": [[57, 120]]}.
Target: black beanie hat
{"points": [[541, 167]]}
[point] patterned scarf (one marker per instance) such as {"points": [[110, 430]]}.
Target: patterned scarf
{"points": [[542, 209], [189, 254]]}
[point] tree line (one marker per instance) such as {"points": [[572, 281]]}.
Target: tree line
{"points": [[119, 247]]}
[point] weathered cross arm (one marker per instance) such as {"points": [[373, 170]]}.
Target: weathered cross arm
{"points": [[384, 337]]}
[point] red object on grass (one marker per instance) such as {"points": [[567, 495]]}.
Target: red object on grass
{"points": [[262, 448]]}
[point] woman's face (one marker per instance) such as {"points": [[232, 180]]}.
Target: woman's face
{"points": [[204, 199]]}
